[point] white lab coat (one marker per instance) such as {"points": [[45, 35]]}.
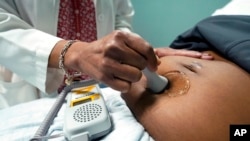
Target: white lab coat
{"points": [[27, 36]]}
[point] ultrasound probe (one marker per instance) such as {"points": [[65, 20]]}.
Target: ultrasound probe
{"points": [[156, 83]]}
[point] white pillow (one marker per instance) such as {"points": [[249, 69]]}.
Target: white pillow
{"points": [[234, 7]]}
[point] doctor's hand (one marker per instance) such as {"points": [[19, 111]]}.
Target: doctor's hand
{"points": [[167, 51], [116, 60]]}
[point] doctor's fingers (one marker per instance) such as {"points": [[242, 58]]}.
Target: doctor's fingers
{"points": [[124, 55], [140, 46], [120, 76]]}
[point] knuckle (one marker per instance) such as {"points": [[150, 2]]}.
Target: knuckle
{"points": [[148, 48], [111, 50], [148, 45], [138, 76], [107, 64], [110, 44], [118, 34]]}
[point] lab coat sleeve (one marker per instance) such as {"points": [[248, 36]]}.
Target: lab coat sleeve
{"points": [[25, 51], [124, 14], [227, 35]]}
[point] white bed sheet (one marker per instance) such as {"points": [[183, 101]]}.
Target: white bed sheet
{"points": [[20, 122]]}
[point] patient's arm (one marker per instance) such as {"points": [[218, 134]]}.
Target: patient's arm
{"points": [[203, 99]]}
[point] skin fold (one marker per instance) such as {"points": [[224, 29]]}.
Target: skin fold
{"points": [[216, 95]]}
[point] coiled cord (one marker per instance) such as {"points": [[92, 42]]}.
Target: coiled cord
{"points": [[41, 132]]}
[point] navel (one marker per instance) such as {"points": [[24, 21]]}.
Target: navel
{"points": [[179, 83]]}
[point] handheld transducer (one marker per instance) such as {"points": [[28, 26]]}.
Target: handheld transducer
{"points": [[156, 83]]}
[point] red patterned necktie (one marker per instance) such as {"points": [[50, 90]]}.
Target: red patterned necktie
{"points": [[76, 21]]}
